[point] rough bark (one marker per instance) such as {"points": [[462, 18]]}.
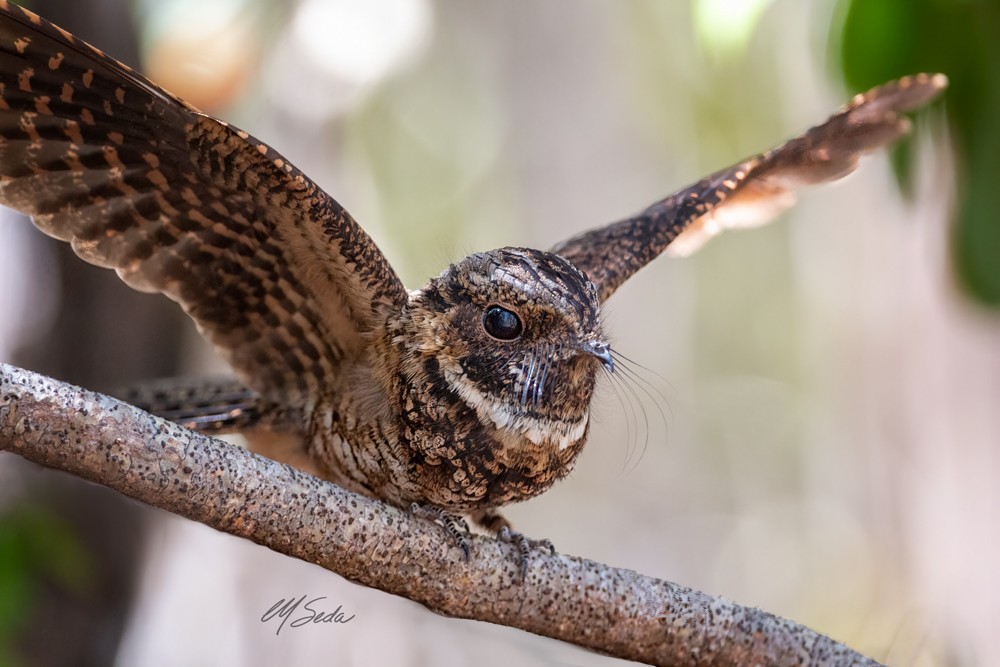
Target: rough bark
{"points": [[614, 611]]}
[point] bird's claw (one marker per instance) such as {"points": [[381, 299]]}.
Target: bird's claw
{"points": [[525, 545], [454, 525]]}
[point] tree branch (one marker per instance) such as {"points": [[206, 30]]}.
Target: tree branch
{"points": [[614, 611]]}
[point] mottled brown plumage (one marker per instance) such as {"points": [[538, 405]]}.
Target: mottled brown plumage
{"points": [[755, 190], [466, 395]]}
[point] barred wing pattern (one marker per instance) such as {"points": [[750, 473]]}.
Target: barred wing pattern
{"points": [[752, 192], [273, 271]]}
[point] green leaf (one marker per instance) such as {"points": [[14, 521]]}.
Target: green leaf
{"points": [[886, 39]]}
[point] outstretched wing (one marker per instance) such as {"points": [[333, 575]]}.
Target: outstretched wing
{"points": [[273, 271], [752, 192]]}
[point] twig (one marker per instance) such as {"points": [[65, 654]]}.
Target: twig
{"points": [[614, 611]]}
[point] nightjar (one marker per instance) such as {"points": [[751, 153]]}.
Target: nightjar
{"points": [[468, 394]]}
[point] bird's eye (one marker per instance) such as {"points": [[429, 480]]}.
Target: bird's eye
{"points": [[502, 323]]}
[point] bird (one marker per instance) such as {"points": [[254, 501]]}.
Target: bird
{"points": [[453, 400]]}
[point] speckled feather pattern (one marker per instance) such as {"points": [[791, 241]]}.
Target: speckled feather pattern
{"points": [[753, 191], [274, 272], [405, 396]]}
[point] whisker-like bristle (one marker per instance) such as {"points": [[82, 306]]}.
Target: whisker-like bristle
{"points": [[634, 409], [529, 378], [540, 385], [635, 390], [629, 384], [622, 359], [633, 368], [628, 409]]}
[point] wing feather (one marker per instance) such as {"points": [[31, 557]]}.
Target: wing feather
{"points": [[753, 191], [273, 271]]}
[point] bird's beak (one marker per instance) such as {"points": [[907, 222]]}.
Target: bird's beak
{"points": [[600, 350]]}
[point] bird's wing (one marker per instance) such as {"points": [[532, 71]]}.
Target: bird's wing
{"points": [[752, 192], [273, 271]]}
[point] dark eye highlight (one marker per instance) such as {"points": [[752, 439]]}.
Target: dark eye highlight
{"points": [[501, 323]]}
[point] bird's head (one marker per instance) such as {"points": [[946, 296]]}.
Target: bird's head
{"points": [[516, 333]]}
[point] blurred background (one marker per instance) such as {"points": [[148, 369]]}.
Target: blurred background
{"points": [[814, 430]]}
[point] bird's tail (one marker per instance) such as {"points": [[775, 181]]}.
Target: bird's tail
{"points": [[207, 404]]}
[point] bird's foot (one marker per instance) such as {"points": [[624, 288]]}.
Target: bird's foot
{"points": [[525, 545], [492, 521], [455, 525]]}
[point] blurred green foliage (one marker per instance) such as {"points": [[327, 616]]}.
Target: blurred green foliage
{"points": [[36, 547], [884, 39]]}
